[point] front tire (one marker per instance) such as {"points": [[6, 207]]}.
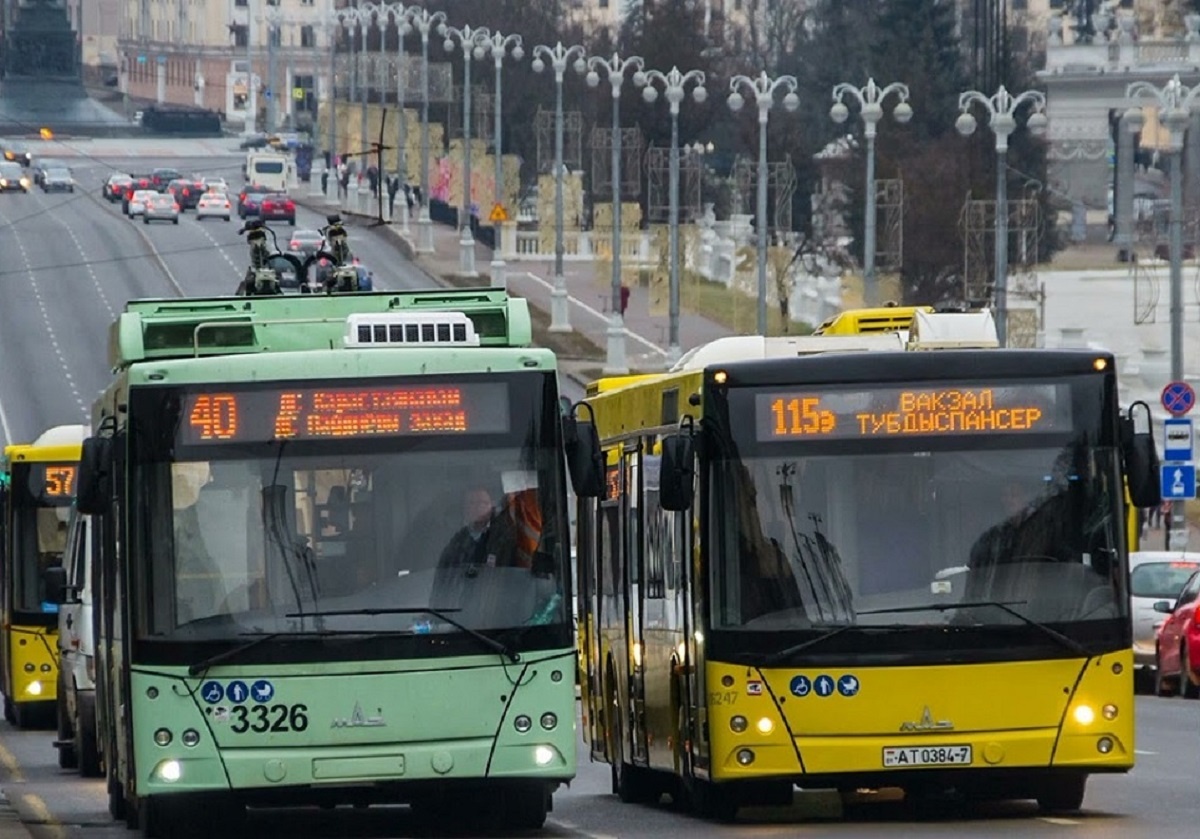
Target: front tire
{"points": [[1187, 689], [1063, 794], [87, 750], [67, 757]]}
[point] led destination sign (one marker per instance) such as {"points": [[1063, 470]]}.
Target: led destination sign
{"points": [[52, 481], [912, 411], [308, 413]]}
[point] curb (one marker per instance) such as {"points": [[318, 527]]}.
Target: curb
{"points": [[11, 826]]}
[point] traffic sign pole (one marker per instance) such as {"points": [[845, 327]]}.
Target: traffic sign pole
{"points": [[1178, 474]]}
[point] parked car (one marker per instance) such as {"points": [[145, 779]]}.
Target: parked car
{"points": [[13, 177], [1154, 576], [114, 188], [1178, 646], [213, 205], [57, 180], [161, 207], [277, 207]]}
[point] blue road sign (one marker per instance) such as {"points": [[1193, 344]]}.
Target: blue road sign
{"points": [[1178, 481], [801, 686], [237, 692], [212, 692], [1178, 398], [848, 685], [262, 691], [823, 685], [1177, 439]]}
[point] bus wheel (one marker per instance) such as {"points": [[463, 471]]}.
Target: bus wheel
{"points": [[67, 757], [525, 808], [1062, 794], [86, 749], [631, 783]]}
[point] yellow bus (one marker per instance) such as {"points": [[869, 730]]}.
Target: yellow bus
{"points": [[878, 567], [35, 498]]}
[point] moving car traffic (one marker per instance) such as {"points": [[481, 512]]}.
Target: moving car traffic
{"points": [[1154, 576]]}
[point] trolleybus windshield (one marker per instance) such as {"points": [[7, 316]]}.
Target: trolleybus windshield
{"points": [[356, 508], [41, 502], [862, 523]]}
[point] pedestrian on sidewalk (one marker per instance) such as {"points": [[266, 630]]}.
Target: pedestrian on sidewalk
{"points": [[410, 196], [373, 180], [393, 186]]}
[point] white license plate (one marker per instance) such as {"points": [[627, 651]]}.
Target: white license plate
{"points": [[901, 756]]}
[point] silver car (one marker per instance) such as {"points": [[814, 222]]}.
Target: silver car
{"points": [[57, 180], [161, 207], [1153, 576]]}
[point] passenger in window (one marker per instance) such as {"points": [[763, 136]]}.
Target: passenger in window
{"points": [[485, 539]]}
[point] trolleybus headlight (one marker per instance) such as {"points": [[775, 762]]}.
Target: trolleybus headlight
{"points": [[169, 770], [1084, 715], [745, 757], [522, 723], [765, 725], [542, 755], [1104, 745], [548, 721], [190, 737], [737, 724], [29, 668], [163, 737], [34, 689], [1109, 712]]}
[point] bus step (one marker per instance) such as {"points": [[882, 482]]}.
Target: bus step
{"points": [[63, 744]]}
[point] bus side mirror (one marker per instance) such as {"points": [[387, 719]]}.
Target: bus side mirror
{"points": [[1142, 468], [676, 480], [93, 493], [55, 581], [585, 462]]}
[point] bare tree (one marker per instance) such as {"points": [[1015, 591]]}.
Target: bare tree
{"points": [[774, 30]]}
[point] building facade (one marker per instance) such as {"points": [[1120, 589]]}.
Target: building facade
{"points": [[198, 52]]}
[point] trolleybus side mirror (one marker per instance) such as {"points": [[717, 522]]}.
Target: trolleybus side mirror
{"points": [[55, 581], [1141, 457], [675, 481], [94, 489], [585, 461]]}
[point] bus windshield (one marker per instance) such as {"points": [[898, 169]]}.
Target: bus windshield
{"points": [[258, 536], [920, 539], [41, 501]]}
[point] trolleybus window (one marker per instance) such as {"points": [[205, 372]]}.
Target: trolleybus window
{"points": [[42, 495]]}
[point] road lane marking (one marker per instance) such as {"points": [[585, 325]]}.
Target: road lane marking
{"points": [[1058, 820], [149, 243], [597, 313], [566, 825], [42, 816], [1143, 752], [11, 767]]}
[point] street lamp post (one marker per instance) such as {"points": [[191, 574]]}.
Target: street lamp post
{"points": [[500, 45], [870, 100], [1001, 108], [274, 23], [251, 91], [559, 56], [425, 22], [1174, 101], [365, 12], [472, 42], [615, 69], [763, 89], [334, 25], [401, 15], [674, 85]]}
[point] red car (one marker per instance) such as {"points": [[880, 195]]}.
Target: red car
{"points": [[1178, 645], [278, 206]]}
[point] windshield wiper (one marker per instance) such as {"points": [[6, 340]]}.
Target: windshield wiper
{"points": [[775, 658], [490, 643], [262, 637], [1066, 642]]}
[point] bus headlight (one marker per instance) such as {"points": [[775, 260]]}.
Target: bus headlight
{"points": [[34, 689], [29, 668], [549, 720], [169, 771], [190, 737], [1104, 745], [1084, 715], [542, 755], [765, 725], [745, 757]]}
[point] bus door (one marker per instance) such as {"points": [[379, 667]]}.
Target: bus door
{"points": [[635, 591], [609, 627], [587, 605]]}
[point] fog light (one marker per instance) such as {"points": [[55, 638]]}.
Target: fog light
{"points": [[1104, 745], [542, 755], [29, 668], [745, 757], [162, 737], [765, 726], [738, 724], [548, 721], [169, 770], [34, 689], [1117, 668], [1084, 715], [190, 737], [522, 723]]}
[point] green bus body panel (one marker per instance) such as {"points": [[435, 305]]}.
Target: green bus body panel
{"points": [[413, 720]]}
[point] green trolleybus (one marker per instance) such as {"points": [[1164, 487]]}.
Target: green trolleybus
{"points": [[334, 558]]}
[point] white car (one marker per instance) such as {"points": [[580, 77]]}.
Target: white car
{"points": [[215, 184], [213, 205], [1153, 576], [139, 200]]}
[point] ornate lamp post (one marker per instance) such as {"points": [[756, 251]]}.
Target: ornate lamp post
{"points": [[424, 22], [870, 100], [1001, 108], [365, 13], [473, 43], [763, 89], [559, 56], [333, 24], [674, 85], [499, 45], [615, 69], [402, 16]]}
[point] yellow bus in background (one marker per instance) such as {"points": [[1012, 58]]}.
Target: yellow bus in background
{"points": [[35, 498], [856, 563]]}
